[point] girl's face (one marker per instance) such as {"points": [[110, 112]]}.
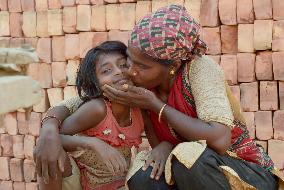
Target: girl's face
{"points": [[148, 73], [111, 69]]}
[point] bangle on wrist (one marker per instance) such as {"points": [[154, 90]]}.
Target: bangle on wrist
{"points": [[161, 111], [51, 117]]}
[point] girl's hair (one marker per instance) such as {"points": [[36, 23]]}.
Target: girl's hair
{"points": [[86, 82]]}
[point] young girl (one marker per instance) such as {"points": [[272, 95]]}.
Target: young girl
{"points": [[105, 131]]}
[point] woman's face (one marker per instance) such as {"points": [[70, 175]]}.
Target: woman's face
{"points": [[111, 69], [148, 73]]}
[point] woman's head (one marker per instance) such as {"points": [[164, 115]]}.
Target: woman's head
{"points": [[104, 64], [169, 37]]}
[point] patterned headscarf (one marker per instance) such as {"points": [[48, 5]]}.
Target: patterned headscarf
{"points": [[170, 33]]}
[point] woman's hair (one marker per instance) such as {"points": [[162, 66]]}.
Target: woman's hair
{"points": [[86, 82]]}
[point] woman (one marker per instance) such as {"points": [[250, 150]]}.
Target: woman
{"points": [[187, 101]]}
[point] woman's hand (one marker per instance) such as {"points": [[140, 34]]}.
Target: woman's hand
{"points": [[113, 159], [158, 156], [132, 96]]}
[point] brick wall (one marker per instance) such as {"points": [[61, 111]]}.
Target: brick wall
{"points": [[245, 37]]}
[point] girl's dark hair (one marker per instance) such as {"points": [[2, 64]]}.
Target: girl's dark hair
{"points": [[86, 81]]}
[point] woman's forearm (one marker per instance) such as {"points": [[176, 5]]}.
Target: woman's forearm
{"points": [[218, 136]]}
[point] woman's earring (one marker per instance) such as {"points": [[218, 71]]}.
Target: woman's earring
{"points": [[172, 72], [134, 73]]}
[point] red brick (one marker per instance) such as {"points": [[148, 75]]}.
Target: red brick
{"points": [[245, 38], [122, 36], [249, 118], [16, 169], [29, 144], [278, 66], [10, 123], [263, 34], [29, 170], [6, 144], [32, 42], [58, 74], [67, 3], [245, 11], [42, 24], [4, 168], [127, 16], [142, 8], [6, 185], [158, 4], [98, 11], [18, 146], [19, 185], [44, 73], [54, 4], [83, 18], [29, 24], [82, 2], [268, 95], [100, 37], [86, 42], [228, 12], [41, 5], [4, 42], [14, 6], [278, 6], [28, 5], [72, 46], [212, 38], [4, 5], [69, 92], [44, 49], [69, 19], [278, 36], [97, 2], [281, 94], [278, 120], [263, 144], [229, 39], [275, 151], [4, 23], [249, 96], [58, 48], [34, 124], [263, 66], [22, 123], [262, 9], [216, 58], [112, 20], [246, 67], [263, 125], [16, 21], [44, 103], [230, 67], [16, 42], [209, 15], [193, 7], [32, 186], [55, 22], [236, 92], [71, 71], [55, 95]]}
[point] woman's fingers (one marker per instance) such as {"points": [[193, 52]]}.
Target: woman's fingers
{"points": [[52, 170], [155, 169], [161, 169], [148, 163], [44, 172], [38, 167]]}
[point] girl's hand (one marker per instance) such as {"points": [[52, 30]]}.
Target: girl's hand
{"points": [[158, 156], [131, 95], [113, 159]]}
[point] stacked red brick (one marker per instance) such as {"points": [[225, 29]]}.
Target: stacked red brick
{"points": [[245, 36]]}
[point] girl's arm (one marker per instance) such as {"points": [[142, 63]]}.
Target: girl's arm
{"points": [[86, 117], [150, 133]]}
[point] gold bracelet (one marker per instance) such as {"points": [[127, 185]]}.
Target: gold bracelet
{"points": [[161, 111], [51, 117]]}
